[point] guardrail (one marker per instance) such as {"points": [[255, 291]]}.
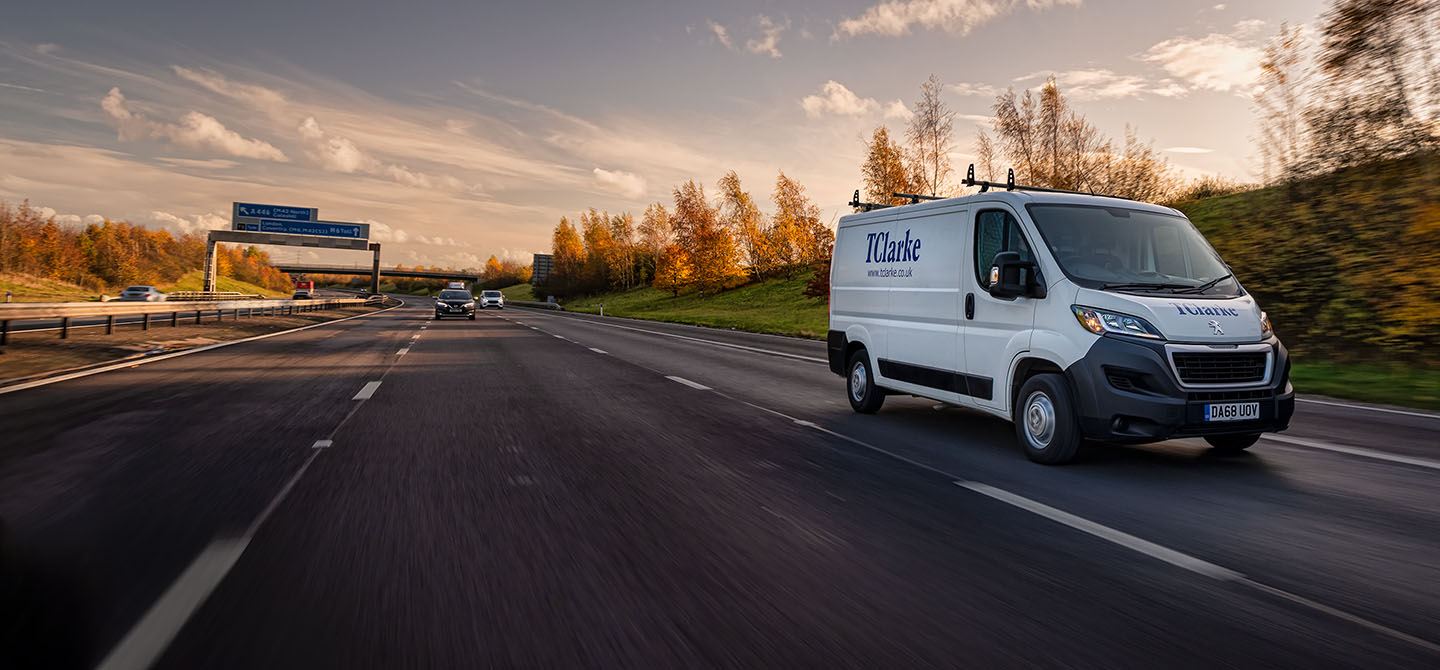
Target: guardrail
{"points": [[65, 311], [187, 296], [536, 305]]}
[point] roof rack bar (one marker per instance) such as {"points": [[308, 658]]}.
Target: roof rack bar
{"points": [[915, 198], [865, 206], [1010, 185]]}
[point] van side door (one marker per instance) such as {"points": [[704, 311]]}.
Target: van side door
{"points": [[925, 260], [996, 329]]}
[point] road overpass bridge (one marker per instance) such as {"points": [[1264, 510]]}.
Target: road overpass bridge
{"points": [[451, 275]]}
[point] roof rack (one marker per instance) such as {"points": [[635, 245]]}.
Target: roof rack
{"points": [[1010, 185], [865, 206]]}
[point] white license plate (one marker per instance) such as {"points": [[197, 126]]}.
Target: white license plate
{"points": [[1232, 411]]}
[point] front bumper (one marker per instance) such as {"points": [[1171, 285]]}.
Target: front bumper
{"points": [[1126, 391], [459, 311]]}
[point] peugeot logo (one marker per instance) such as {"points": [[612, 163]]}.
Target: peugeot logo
{"points": [[1216, 326]]}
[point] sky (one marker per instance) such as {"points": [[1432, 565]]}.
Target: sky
{"points": [[462, 129]]}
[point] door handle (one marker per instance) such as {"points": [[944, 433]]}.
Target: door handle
{"points": [[969, 305]]}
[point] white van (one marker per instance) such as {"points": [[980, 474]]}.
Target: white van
{"points": [[1074, 316]]}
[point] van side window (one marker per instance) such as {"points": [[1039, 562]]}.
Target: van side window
{"points": [[996, 231]]}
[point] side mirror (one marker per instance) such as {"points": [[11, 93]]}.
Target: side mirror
{"points": [[1011, 277]]}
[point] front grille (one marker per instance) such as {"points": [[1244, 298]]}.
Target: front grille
{"points": [[1220, 368], [1222, 396]]}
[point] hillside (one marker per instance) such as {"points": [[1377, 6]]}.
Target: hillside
{"points": [[1347, 265], [25, 288], [772, 306]]}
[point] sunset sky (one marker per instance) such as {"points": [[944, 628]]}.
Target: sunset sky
{"points": [[464, 129]]}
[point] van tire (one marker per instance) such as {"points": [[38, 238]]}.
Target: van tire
{"points": [[865, 397], [1045, 422], [1232, 444]]}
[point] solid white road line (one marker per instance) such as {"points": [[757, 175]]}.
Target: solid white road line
{"points": [[1106, 533], [322, 444], [716, 343], [687, 382], [598, 351], [402, 352], [1354, 451], [1387, 410], [143, 645], [366, 391], [187, 352], [560, 337]]}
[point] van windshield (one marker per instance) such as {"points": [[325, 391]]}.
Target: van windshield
{"points": [[1124, 249]]}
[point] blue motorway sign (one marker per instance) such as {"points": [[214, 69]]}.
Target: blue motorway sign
{"points": [[323, 228], [254, 211]]}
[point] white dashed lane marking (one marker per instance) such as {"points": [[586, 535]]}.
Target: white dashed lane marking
{"points": [[366, 391]]}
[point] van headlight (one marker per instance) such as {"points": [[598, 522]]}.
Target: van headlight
{"points": [[1265, 330], [1099, 321]]}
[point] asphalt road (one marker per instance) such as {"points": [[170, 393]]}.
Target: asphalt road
{"points": [[548, 490]]}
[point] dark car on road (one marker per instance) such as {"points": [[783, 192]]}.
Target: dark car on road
{"points": [[454, 303]]}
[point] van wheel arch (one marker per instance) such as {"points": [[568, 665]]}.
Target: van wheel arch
{"points": [[1027, 368]]}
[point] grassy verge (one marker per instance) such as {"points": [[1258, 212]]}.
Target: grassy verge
{"points": [[195, 281], [519, 292], [1394, 384], [772, 306], [24, 288]]}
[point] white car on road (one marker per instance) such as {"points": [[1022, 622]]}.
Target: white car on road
{"points": [[142, 294], [492, 299]]}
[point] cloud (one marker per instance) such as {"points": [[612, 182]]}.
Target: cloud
{"points": [[769, 41], [834, 98], [897, 111], [968, 89], [457, 126], [47, 48], [336, 154], [258, 97], [1249, 27], [209, 164], [195, 223], [381, 232], [956, 17], [1189, 150], [1215, 62], [22, 88], [1099, 84], [627, 184], [195, 130], [721, 34]]}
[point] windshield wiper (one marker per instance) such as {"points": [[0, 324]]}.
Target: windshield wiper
{"points": [[1144, 285], [1207, 285]]}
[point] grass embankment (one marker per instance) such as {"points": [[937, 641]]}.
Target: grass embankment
{"points": [[35, 289], [520, 292], [1395, 384], [774, 306]]}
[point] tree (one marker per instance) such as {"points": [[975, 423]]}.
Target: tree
{"points": [[884, 173], [984, 156], [567, 258], [672, 269], [800, 236], [931, 136], [1279, 102], [621, 257], [493, 270], [654, 234], [745, 221], [706, 244]]}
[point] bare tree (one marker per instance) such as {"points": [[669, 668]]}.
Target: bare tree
{"points": [[1280, 104], [984, 155], [931, 136]]}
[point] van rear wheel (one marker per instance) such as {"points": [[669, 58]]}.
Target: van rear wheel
{"points": [[1045, 423], [865, 397]]}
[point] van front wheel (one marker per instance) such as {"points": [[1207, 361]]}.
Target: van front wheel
{"points": [[1044, 417], [865, 397]]}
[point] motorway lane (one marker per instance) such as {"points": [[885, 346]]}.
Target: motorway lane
{"points": [[111, 483], [1351, 532], [508, 497]]}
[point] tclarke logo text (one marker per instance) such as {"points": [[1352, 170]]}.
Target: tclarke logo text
{"points": [[883, 250], [1205, 311]]}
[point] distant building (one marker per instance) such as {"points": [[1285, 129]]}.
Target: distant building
{"points": [[540, 269]]}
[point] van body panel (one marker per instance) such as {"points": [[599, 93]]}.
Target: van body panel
{"points": [[925, 317], [858, 299]]}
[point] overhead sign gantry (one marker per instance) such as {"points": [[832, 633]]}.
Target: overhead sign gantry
{"points": [[252, 223]]}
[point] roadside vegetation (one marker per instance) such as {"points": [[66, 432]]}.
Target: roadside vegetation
{"points": [[774, 306]]}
